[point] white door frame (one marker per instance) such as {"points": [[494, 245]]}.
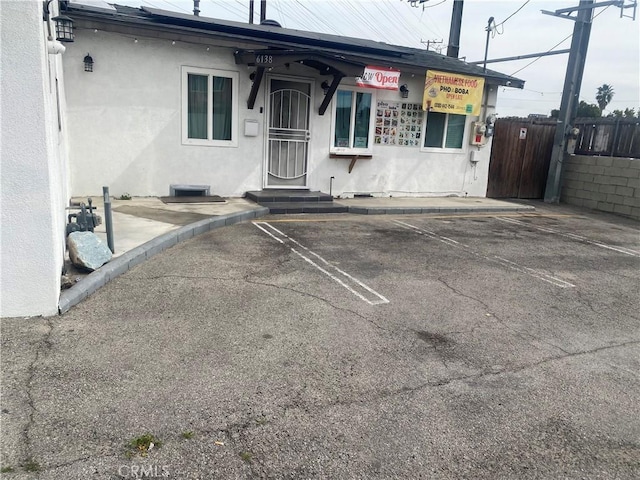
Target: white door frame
{"points": [[266, 149]]}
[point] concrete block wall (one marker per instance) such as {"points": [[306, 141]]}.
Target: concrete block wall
{"points": [[609, 184]]}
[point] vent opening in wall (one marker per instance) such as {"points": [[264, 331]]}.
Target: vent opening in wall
{"points": [[189, 190]]}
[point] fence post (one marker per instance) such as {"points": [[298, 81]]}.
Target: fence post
{"points": [[614, 143]]}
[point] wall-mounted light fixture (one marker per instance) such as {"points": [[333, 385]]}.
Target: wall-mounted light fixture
{"points": [[88, 63], [404, 91], [325, 87], [64, 25]]}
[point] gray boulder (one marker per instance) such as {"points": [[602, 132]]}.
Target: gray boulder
{"points": [[87, 251]]}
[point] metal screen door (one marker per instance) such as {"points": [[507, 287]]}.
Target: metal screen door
{"points": [[288, 137]]}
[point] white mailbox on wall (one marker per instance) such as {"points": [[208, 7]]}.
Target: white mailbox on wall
{"points": [[251, 128]]}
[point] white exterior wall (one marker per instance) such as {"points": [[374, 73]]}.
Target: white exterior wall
{"points": [[125, 124], [33, 176], [125, 120]]}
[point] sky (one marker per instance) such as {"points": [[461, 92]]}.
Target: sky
{"points": [[613, 56]]}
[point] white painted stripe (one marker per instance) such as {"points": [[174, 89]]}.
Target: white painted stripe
{"points": [[626, 251], [502, 261], [333, 277], [558, 282], [267, 232], [353, 279], [380, 299]]}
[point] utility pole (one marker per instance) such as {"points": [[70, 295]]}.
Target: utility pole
{"points": [[431, 42], [263, 10], [573, 81], [486, 47], [453, 50], [570, 95], [251, 8]]}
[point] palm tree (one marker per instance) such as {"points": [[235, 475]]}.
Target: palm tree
{"points": [[604, 96]]}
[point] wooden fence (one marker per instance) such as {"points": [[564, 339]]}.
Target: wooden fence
{"points": [[520, 157], [613, 137]]}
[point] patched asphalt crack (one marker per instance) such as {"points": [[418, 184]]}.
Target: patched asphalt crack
{"points": [[266, 284], [46, 345], [520, 368], [523, 335], [365, 398]]}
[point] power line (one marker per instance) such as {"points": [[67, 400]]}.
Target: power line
{"points": [[176, 6], [364, 20], [558, 44], [279, 7], [392, 11], [317, 18], [235, 12], [436, 32], [505, 20]]}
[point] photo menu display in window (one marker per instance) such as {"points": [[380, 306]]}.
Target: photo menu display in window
{"points": [[398, 124]]}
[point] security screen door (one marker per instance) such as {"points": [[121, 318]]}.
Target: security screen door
{"points": [[288, 136]]}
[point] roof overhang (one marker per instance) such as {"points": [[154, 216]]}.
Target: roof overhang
{"points": [[324, 63]]}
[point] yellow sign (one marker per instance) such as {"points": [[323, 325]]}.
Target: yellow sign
{"points": [[452, 93]]}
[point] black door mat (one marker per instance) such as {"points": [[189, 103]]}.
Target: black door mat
{"points": [[194, 199]]}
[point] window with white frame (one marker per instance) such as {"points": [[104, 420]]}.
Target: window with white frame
{"points": [[209, 107], [444, 130], [352, 122]]}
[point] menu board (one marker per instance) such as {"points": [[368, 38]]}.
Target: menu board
{"points": [[398, 124]]}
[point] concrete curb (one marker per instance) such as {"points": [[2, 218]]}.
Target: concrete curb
{"points": [[130, 259], [416, 210]]}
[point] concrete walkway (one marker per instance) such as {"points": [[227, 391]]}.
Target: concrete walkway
{"points": [[146, 226], [142, 219]]}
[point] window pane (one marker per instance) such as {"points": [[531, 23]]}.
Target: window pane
{"points": [[363, 112], [222, 106], [197, 86], [435, 129], [343, 118], [455, 131]]}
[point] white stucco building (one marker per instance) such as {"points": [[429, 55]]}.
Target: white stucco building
{"points": [[152, 98], [34, 173], [130, 118]]}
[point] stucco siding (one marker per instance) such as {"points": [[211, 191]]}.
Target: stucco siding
{"points": [[33, 194], [125, 124]]}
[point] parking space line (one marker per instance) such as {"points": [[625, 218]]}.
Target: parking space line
{"points": [[626, 251], [283, 239], [558, 282]]}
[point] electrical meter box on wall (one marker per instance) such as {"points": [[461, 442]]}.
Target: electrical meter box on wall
{"points": [[477, 134]]}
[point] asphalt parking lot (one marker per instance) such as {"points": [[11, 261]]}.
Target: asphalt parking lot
{"points": [[471, 346]]}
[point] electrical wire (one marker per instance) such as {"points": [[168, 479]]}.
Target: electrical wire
{"points": [[365, 27], [328, 25], [392, 12], [236, 12], [279, 8], [175, 6], [243, 7], [300, 21], [148, 3], [424, 7], [558, 44], [436, 32], [505, 20]]}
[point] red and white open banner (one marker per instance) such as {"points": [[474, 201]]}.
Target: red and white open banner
{"points": [[379, 77]]}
